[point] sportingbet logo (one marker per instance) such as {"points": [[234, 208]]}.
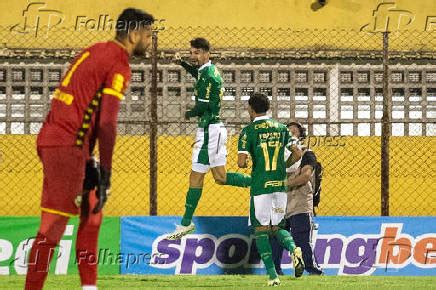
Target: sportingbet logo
{"points": [[201, 251], [359, 254], [362, 254]]}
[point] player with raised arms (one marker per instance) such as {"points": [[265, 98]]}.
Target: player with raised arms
{"points": [[209, 150]]}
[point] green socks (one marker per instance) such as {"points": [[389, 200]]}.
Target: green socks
{"points": [[285, 240], [265, 252], [238, 179], [194, 194], [192, 198]]}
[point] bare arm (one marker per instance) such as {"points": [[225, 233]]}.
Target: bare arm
{"points": [[302, 178], [295, 156], [242, 160]]}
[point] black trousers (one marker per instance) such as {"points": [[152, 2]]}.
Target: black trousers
{"points": [[300, 226]]}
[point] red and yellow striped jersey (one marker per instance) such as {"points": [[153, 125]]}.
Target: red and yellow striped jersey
{"points": [[85, 105]]}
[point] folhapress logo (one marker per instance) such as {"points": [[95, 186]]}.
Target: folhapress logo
{"points": [[388, 17], [38, 19]]}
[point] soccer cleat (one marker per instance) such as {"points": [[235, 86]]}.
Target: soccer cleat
{"points": [[181, 231], [320, 273], [274, 282], [297, 260], [280, 272]]}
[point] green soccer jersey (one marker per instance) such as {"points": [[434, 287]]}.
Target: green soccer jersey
{"points": [[265, 140], [208, 91]]}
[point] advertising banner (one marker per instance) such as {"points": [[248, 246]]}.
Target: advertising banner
{"points": [[220, 245], [17, 235]]}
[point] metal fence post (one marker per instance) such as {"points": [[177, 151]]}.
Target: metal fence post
{"points": [[386, 129], [153, 127]]}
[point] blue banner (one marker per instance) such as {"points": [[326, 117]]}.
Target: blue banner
{"points": [[403, 246]]}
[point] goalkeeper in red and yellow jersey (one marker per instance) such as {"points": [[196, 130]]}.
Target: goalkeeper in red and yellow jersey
{"points": [[84, 109]]}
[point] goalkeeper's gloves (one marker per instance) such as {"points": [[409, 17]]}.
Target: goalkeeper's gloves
{"points": [[92, 174], [103, 189]]}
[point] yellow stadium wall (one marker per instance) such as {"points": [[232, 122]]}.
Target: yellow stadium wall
{"points": [[265, 14], [351, 185]]}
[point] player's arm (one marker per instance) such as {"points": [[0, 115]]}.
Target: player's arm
{"points": [[207, 99], [191, 69], [107, 128], [112, 95], [293, 152], [308, 163], [302, 178], [197, 111], [243, 149], [293, 155], [242, 160], [214, 94]]}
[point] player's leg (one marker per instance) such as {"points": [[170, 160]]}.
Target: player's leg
{"points": [[87, 241], [193, 196], [200, 166], [278, 213], [219, 174], [223, 177], [218, 159], [49, 234], [277, 253], [260, 218], [264, 248], [63, 169], [196, 180]]}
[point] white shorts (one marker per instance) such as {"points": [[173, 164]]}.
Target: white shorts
{"points": [[210, 148], [267, 209]]}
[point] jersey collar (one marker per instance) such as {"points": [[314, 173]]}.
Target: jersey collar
{"points": [[120, 45], [209, 63], [261, 118]]}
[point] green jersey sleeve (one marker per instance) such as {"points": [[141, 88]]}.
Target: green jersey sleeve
{"points": [[208, 92], [287, 137], [191, 69], [207, 99], [243, 142]]}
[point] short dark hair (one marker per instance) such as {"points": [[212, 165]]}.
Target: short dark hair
{"points": [[200, 43], [300, 128], [259, 103], [132, 19]]}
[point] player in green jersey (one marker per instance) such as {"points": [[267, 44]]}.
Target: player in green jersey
{"points": [[265, 139], [209, 151]]}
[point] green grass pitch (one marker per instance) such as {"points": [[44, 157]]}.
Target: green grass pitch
{"points": [[239, 282]]}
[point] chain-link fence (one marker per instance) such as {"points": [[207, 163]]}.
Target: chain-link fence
{"points": [[330, 81]]}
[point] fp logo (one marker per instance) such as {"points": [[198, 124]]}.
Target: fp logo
{"points": [[388, 18], [37, 18]]}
